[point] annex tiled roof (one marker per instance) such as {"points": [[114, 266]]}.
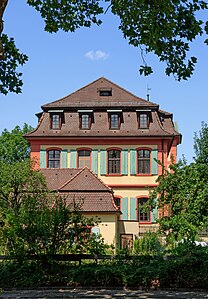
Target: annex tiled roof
{"points": [[85, 180], [56, 178], [88, 96], [81, 186], [92, 201]]}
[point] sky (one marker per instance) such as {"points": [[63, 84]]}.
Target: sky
{"points": [[61, 63]]}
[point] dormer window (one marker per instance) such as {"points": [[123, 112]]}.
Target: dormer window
{"points": [[143, 119], [85, 119], [105, 92], [56, 119], [115, 119]]}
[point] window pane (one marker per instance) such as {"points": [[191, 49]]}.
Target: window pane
{"points": [[143, 161], [113, 161], [85, 121], [55, 118], [117, 201], [142, 216], [54, 159], [143, 121], [114, 121], [84, 158]]}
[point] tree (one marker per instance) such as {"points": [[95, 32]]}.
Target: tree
{"points": [[165, 28], [35, 220], [183, 193], [13, 146]]}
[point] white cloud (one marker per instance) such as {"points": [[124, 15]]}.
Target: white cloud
{"points": [[96, 55]]}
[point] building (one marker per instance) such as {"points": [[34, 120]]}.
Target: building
{"points": [[118, 137]]}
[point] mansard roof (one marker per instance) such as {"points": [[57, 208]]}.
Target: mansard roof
{"points": [[81, 186], [88, 99]]}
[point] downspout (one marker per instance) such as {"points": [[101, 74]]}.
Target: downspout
{"points": [[163, 167]]}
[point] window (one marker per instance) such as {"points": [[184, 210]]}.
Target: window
{"points": [[84, 158], [85, 121], [114, 161], [143, 120], [143, 216], [55, 121], [114, 121], [105, 92], [54, 158], [143, 161], [117, 202], [126, 241]]}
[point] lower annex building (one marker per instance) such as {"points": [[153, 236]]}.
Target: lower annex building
{"points": [[101, 143]]}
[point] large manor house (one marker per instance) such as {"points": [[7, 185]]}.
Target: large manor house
{"points": [[101, 145]]}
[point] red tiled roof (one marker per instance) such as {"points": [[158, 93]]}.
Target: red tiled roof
{"points": [[88, 96], [81, 184], [85, 180], [55, 178], [161, 123], [92, 201]]}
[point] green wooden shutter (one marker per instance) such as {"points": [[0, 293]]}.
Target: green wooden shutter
{"points": [[103, 162], [133, 161], [133, 208], [95, 161], [154, 163], [124, 208], [155, 213], [73, 159], [64, 158], [42, 158], [124, 159]]}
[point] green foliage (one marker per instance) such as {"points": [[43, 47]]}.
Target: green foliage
{"points": [[148, 244], [165, 28], [183, 194], [10, 78], [188, 269], [13, 147], [201, 146], [67, 15], [36, 221]]}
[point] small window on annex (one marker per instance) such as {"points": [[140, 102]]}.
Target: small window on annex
{"points": [[117, 202], [114, 161], [54, 158], [143, 216], [143, 156], [84, 158]]}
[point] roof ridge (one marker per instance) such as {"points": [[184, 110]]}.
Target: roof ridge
{"points": [[110, 189], [73, 92], [131, 93], [85, 86], [71, 179]]}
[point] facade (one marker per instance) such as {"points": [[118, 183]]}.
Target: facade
{"points": [[118, 137]]}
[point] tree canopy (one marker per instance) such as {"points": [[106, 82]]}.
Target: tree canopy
{"points": [[165, 28], [13, 147], [183, 193]]}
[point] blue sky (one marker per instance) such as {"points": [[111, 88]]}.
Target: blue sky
{"points": [[63, 62]]}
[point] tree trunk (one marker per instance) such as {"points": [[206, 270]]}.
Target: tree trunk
{"points": [[3, 4]]}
